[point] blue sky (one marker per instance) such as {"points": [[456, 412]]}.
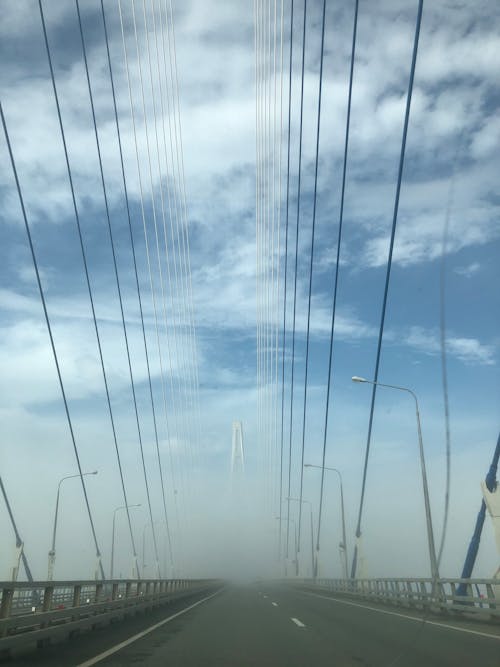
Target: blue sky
{"points": [[453, 141]]}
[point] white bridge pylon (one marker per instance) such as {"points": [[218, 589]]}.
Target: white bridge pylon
{"points": [[237, 456]]}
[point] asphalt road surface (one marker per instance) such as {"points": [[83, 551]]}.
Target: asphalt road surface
{"points": [[263, 625]]}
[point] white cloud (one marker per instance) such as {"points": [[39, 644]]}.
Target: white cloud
{"points": [[467, 350], [469, 270]]}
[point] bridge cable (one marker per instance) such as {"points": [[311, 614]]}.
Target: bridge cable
{"points": [[177, 311], [127, 69], [279, 224], [19, 541], [337, 268], [160, 467], [155, 217], [261, 249], [313, 227], [285, 271], [257, 205], [184, 228], [176, 207], [49, 329], [442, 336], [84, 257], [181, 351], [295, 274], [257, 187], [132, 243], [387, 278], [271, 244], [174, 402], [112, 243]]}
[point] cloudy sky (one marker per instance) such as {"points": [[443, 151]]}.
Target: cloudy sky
{"points": [[451, 173]]}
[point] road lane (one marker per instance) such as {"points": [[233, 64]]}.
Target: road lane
{"points": [[242, 627], [274, 626], [373, 637], [237, 628]]}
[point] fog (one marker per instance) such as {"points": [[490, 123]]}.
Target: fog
{"points": [[213, 312]]}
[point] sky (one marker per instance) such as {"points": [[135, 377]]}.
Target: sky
{"points": [[450, 182]]}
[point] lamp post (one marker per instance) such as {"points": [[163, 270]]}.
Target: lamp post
{"points": [[52, 552], [296, 548], [146, 526], [122, 507], [428, 516], [144, 547], [343, 545], [307, 502]]}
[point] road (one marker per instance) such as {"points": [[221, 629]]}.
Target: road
{"points": [[263, 625]]}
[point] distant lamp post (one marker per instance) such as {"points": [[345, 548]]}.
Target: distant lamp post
{"points": [[144, 565], [52, 552], [343, 544], [122, 507], [296, 547], [307, 502], [428, 516]]}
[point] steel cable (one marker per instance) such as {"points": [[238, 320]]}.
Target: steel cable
{"points": [[49, 330]]}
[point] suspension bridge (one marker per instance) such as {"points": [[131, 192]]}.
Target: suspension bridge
{"points": [[274, 218]]}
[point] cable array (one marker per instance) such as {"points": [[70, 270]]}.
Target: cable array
{"points": [[289, 471], [388, 276], [269, 24], [162, 255], [51, 337], [337, 269]]}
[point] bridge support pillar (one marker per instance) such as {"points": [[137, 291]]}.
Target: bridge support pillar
{"points": [[492, 502], [17, 560]]}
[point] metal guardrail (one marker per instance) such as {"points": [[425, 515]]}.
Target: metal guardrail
{"points": [[39, 611], [482, 599]]}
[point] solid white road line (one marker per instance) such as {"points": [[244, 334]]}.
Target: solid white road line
{"points": [[139, 635], [297, 622], [419, 619], [275, 604]]}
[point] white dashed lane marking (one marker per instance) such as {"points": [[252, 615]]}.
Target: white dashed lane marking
{"points": [[299, 623], [275, 604]]}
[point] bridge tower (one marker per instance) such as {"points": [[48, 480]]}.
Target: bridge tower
{"points": [[237, 456]]}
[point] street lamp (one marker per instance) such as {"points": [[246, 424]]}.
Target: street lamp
{"points": [[428, 517], [52, 552], [150, 525], [122, 507], [343, 544], [296, 548], [312, 531]]}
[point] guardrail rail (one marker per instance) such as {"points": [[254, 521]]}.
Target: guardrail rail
{"points": [[440, 596], [40, 611]]}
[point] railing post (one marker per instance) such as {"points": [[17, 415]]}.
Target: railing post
{"points": [[98, 591], [395, 592], [48, 595], [77, 592], [423, 594], [6, 606], [409, 590], [491, 598]]}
